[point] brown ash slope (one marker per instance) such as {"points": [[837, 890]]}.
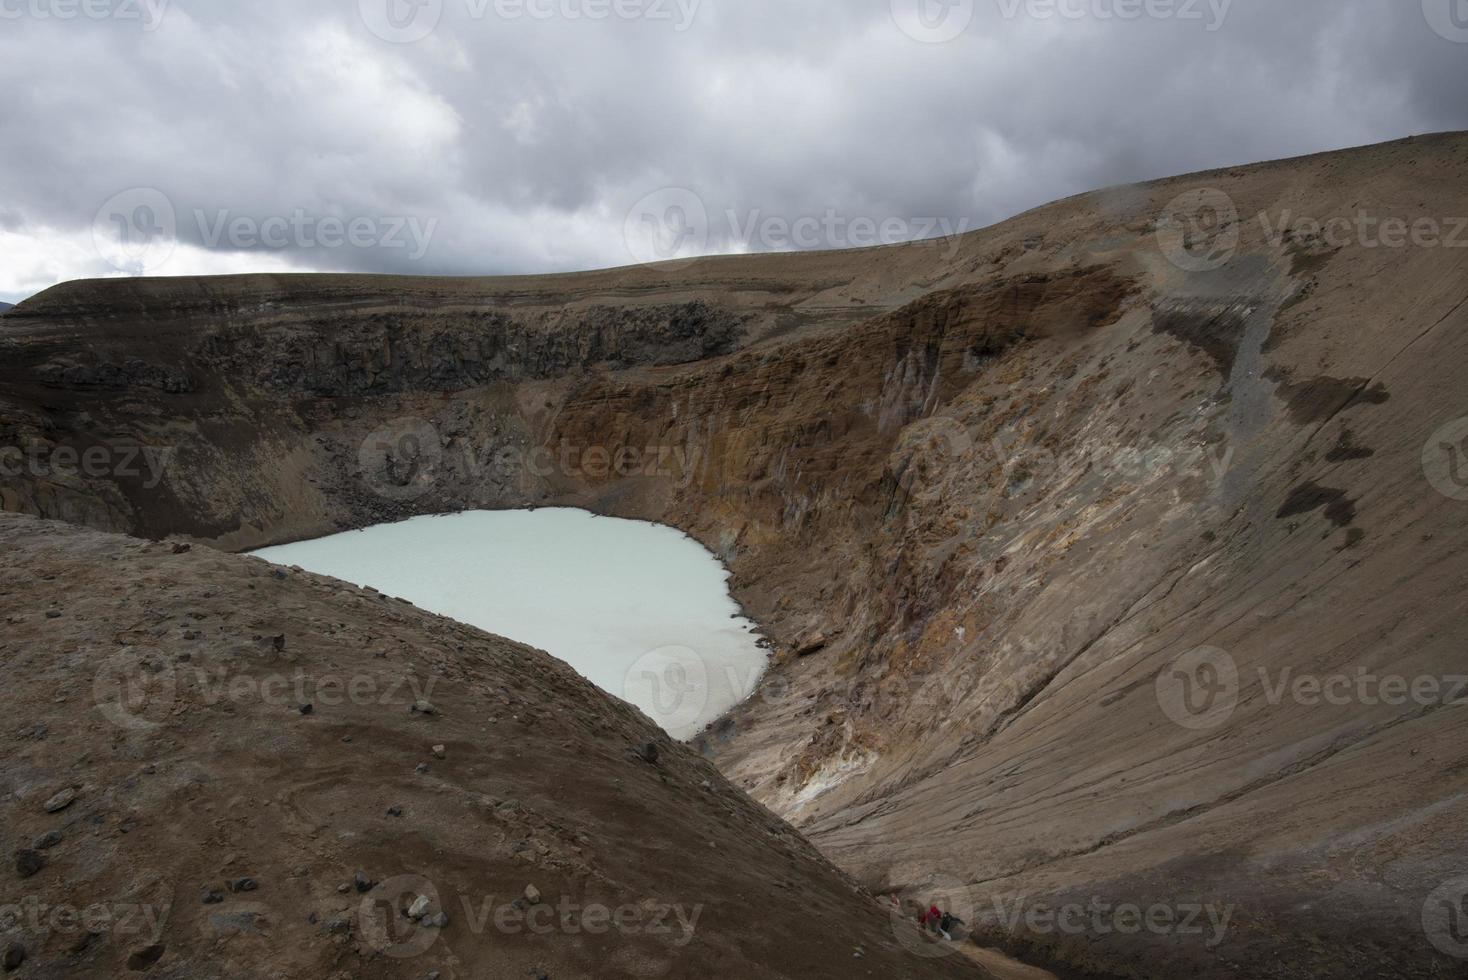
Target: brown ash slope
{"points": [[995, 488], [164, 692]]}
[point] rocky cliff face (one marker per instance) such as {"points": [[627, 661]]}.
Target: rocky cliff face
{"points": [[1013, 507]]}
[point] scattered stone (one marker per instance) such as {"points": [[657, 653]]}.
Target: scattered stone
{"points": [[422, 707], [307, 709], [439, 920], [182, 549], [647, 752], [394, 811], [29, 863], [243, 885], [420, 907], [812, 644], [279, 573], [532, 894], [343, 888], [421, 768], [47, 840], [145, 957], [432, 975], [14, 957], [363, 883], [53, 614], [339, 927], [440, 752], [60, 801], [278, 642], [212, 896], [347, 738]]}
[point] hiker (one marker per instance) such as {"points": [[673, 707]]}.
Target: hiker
{"points": [[930, 919], [946, 924]]}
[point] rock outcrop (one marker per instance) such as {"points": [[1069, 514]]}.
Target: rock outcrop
{"points": [[1121, 522]]}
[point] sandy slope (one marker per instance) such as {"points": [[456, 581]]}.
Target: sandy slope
{"points": [[216, 775]]}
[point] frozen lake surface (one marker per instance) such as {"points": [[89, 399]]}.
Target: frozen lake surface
{"points": [[642, 611]]}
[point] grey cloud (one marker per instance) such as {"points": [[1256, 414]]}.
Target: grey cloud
{"points": [[528, 140]]}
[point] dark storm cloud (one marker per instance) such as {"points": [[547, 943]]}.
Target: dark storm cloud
{"points": [[518, 135]]}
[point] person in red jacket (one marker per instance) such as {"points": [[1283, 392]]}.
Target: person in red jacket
{"points": [[929, 919]]}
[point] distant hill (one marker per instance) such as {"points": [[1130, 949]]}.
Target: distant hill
{"points": [[5, 307]]}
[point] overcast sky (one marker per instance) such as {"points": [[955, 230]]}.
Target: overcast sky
{"points": [[496, 136]]}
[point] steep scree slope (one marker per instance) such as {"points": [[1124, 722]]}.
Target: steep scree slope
{"points": [[165, 696]]}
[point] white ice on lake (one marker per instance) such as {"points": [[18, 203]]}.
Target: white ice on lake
{"points": [[641, 610]]}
